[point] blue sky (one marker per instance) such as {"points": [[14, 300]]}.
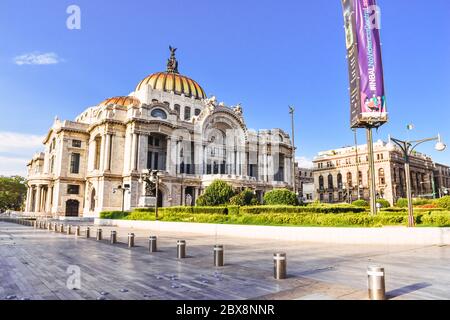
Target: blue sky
{"points": [[264, 54]]}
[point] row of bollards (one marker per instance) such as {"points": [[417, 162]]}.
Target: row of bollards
{"points": [[375, 274]]}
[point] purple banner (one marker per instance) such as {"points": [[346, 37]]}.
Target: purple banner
{"points": [[362, 25], [373, 99]]}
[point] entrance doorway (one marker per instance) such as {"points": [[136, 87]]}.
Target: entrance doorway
{"points": [[72, 208]]}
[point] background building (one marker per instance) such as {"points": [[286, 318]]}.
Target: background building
{"points": [[305, 183], [168, 124], [342, 175]]}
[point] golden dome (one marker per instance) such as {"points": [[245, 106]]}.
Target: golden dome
{"points": [[124, 101], [172, 81], [168, 82]]}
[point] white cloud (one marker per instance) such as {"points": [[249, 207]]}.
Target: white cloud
{"points": [[16, 149], [304, 162], [36, 58]]}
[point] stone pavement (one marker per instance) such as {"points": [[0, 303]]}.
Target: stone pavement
{"points": [[34, 263]]}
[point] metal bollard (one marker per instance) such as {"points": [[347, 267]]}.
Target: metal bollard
{"points": [[113, 237], [61, 228], [55, 227], [130, 240], [218, 255], [279, 266], [99, 234], [376, 284], [181, 249], [152, 244], [77, 231], [87, 232], [49, 226], [69, 229]]}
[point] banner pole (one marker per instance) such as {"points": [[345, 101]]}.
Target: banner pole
{"points": [[373, 200]]}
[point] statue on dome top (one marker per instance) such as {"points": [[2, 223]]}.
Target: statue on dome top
{"points": [[172, 63]]}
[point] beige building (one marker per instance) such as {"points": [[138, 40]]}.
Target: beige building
{"points": [[342, 175], [167, 124]]}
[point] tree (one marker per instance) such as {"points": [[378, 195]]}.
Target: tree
{"points": [[245, 198], [13, 191], [217, 193], [281, 197]]}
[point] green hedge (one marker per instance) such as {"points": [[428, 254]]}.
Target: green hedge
{"points": [[443, 202], [299, 209], [360, 203], [437, 219], [113, 214]]}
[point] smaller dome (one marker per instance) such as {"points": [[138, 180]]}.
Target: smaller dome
{"points": [[124, 101]]}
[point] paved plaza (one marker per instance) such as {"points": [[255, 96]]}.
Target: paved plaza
{"points": [[34, 264]]}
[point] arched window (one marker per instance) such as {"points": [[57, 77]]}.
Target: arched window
{"points": [[360, 178], [330, 181], [349, 179], [339, 180], [321, 182], [197, 112], [381, 177], [158, 113]]}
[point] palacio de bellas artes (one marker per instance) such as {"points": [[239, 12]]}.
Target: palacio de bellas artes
{"points": [[167, 124], [224, 159]]}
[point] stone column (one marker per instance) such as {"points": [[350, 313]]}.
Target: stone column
{"points": [[37, 206], [169, 155], [205, 159], [27, 203], [102, 153], [107, 157], [134, 142], [48, 200]]}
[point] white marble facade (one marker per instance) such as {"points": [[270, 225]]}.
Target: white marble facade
{"points": [[189, 138]]}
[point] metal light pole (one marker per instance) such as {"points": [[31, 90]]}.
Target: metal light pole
{"points": [[407, 147], [357, 164], [123, 189], [291, 112], [372, 191], [151, 177]]}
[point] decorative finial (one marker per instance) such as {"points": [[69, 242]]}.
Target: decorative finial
{"points": [[172, 63]]}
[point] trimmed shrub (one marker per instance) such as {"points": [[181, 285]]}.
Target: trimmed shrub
{"points": [[384, 203], [402, 203], [245, 198], [360, 203], [443, 202], [217, 193], [281, 197], [113, 214], [437, 219], [421, 202], [299, 209]]}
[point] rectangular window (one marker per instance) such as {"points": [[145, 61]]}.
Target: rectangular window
{"points": [[75, 163], [73, 189], [187, 113], [150, 140], [149, 160], [76, 143], [155, 164]]}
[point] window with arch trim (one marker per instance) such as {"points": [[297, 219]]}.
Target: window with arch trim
{"points": [[158, 113]]}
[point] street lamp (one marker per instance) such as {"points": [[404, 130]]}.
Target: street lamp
{"points": [[407, 147], [291, 112], [152, 179], [123, 189]]}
